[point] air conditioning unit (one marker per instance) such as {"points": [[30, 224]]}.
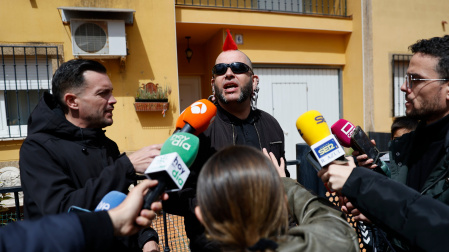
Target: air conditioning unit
{"points": [[98, 38]]}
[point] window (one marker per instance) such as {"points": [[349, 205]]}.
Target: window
{"points": [[400, 65], [25, 73]]}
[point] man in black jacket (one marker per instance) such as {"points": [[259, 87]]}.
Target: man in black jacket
{"points": [[237, 122], [420, 159], [419, 219], [66, 158]]}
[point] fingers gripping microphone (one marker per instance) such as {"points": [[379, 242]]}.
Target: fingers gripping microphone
{"points": [[314, 130], [198, 116], [170, 168], [346, 133], [111, 200]]}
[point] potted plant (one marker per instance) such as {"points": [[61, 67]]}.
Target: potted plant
{"points": [[152, 97], [151, 92]]}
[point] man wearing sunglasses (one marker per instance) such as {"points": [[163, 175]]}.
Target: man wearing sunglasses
{"points": [[238, 122], [420, 159]]}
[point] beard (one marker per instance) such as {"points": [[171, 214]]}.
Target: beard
{"points": [[245, 93], [429, 108]]}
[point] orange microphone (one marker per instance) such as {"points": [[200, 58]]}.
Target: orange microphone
{"points": [[196, 118]]}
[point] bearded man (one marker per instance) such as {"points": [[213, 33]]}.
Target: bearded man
{"points": [[238, 122]]}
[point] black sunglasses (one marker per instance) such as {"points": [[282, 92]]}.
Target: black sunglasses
{"points": [[236, 67]]}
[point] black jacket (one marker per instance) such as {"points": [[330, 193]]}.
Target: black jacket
{"points": [[62, 165], [62, 232], [420, 219], [221, 133]]}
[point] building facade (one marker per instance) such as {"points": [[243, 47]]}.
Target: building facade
{"points": [[340, 57]]}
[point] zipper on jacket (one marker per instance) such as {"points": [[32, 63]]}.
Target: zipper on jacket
{"points": [[436, 181], [258, 136], [233, 135], [257, 132]]}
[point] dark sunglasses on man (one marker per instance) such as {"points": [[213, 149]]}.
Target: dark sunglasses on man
{"points": [[236, 67]]}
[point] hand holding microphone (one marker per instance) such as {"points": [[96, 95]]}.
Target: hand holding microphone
{"points": [[129, 217], [126, 211], [354, 137]]}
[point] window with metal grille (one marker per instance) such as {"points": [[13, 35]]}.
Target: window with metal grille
{"points": [[399, 65], [25, 73]]}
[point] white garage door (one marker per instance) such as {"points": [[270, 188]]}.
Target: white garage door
{"points": [[286, 93]]}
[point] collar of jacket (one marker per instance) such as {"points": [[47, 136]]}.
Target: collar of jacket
{"points": [[433, 132], [231, 119]]}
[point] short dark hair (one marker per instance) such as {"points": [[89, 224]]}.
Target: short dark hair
{"points": [[437, 47], [69, 76], [403, 122]]}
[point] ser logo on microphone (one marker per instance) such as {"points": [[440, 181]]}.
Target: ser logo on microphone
{"points": [[319, 119], [326, 148]]}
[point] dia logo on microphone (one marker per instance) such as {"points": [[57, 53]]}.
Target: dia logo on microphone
{"points": [[180, 141]]}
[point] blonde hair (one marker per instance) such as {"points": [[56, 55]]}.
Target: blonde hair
{"points": [[241, 198]]}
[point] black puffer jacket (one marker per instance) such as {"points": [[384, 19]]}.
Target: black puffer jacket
{"points": [[62, 165]]}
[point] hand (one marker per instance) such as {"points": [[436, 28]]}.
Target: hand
{"points": [[151, 246], [348, 208], [280, 168], [362, 159], [125, 217], [336, 175], [142, 158]]}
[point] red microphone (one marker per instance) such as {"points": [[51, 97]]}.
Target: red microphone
{"points": [[353, 136], [197, 117], [343, 130]]}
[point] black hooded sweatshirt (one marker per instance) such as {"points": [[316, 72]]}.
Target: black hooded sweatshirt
{"points": [[62, 165]]}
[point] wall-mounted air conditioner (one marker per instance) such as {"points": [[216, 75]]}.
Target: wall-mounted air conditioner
{"points": [[98, 38]]}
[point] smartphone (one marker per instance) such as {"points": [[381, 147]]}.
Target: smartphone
{"points": [[362, 143]]}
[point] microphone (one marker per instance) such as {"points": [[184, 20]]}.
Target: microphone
{"points": [[197, 117], [314, 130], [343, 130], [170, 168], [353, 136], [111, 200], [185, 144]]}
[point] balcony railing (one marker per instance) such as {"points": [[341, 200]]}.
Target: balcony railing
{"points": [[318, 7]]}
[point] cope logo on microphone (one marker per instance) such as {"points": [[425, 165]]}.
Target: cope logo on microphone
{"points": [[198, 108], [326, 148]]}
